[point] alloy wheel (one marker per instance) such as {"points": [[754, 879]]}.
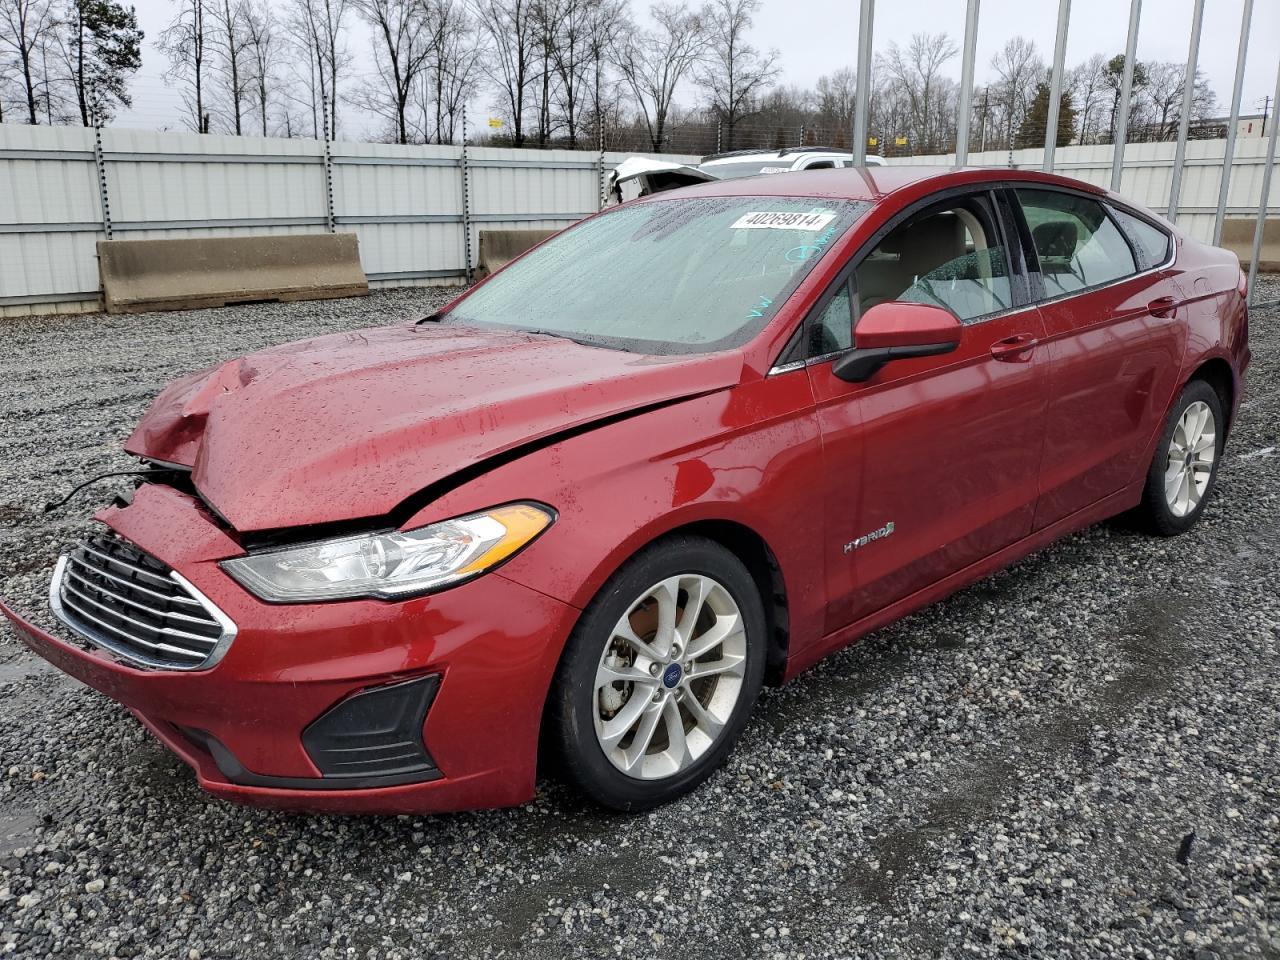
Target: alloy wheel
{"points": [[1192, 450], [670, 676]]}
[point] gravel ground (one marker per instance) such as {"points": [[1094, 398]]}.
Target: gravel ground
{"points": [[1077, 757]]}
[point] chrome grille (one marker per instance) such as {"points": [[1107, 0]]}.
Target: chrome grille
{"points": [[126, 601]]}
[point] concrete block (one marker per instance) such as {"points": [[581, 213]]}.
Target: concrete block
{"points": [[142, 275], [500, 247]]}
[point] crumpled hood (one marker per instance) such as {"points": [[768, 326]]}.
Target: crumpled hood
{"points": [[348, 426]]}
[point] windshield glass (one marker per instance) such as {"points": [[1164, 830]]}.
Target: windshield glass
{"points": [[665, 276], [746, 168]]}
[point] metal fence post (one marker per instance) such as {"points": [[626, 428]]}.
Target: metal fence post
{"points": [[1055, 85], [100, 163], [330, 221], [1126, 92], [1184, 122], [966, 82], [600, 167], [1264, 198], [862, 95], [1229, 148], [466, 202]]}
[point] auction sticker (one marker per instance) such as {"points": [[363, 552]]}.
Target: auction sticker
{"points": [[765, 220]]}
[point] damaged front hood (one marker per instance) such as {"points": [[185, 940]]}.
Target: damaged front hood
{"points": [[348, 426]]}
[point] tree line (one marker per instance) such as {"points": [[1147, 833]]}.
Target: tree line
{"points": [[569, 73]]}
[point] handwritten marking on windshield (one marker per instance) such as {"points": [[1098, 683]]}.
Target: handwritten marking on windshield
{"points": [[758, 311]]}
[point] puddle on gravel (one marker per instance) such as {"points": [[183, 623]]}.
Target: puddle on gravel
{"points": [[1153, 640], [18, 827], [24, 668]]}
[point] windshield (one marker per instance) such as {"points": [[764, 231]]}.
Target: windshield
{"points": [[665, 276]]}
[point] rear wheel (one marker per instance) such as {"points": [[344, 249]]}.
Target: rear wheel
{"points": [[1185, 467], [660, 675]]}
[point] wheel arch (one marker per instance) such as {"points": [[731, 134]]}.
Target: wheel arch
{"points": [[755, 553], [1218, 373], [761, 561]]}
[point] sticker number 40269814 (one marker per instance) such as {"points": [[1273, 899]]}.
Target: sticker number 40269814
{"points": [[765, 220]]}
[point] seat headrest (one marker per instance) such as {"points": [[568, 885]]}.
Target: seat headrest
{"points": [[933, 232], [1057, 238]]}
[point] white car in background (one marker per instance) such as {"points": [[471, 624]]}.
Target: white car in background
{"points": [[641, 176]]}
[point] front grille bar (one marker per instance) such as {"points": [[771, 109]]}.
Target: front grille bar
{"points": [[130, 584], [157, 578], [162, 623], [83, 581], [130, 638], [208, 642]]}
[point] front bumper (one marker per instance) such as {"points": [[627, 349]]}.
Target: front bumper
{"points": [[486, 649]]}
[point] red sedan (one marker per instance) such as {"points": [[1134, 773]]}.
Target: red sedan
{"points": [[683, 449]]}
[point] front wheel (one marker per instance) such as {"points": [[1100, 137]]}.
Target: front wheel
{"points": [[660, 675], [1185, 467]]}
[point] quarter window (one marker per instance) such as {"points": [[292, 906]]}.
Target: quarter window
{"points": [[1077, 244], [1150, 242], [833, 331]]}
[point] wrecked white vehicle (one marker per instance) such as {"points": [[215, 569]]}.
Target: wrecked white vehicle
{"points": [[641, 176]]}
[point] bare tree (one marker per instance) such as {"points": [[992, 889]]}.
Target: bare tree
{"points": [[183, 41], [24, 27], [1020, 68], [654, 62], [512, 32], [262, 49], [568, 27], [6, 81], [836, 96], [401, 47], [916, 72], [1088, 85], [449, 75], [545, 14], [735, 72], [1162, 96], [606, 21], [228, 37], [302, 91], [323, 26]]}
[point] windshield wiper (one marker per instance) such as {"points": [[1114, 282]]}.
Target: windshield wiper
{"points": [[560, 336]]}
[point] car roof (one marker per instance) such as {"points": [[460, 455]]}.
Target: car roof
{"points": [[869, 183], [773, 155]]}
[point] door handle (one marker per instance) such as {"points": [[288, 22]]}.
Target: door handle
{"points": [[1016, 349], [1162, 307]]}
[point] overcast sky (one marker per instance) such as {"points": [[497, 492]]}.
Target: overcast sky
{"points": [[814, 37]]}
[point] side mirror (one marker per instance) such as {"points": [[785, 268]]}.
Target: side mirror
{"points": [[896, 331]]}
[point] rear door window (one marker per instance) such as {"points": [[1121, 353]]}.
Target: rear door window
{"points": [[1077, 244]]}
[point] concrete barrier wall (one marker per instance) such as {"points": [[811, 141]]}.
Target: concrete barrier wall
{"points": [[500, 247], [140, 275], [1237, 236]]}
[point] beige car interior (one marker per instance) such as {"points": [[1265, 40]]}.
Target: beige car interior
{"points": [[924, 261]]}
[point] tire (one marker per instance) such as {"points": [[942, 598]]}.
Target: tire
{"points": [[608, 682], [1173, 499]]}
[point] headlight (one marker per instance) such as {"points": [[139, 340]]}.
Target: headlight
{"points": [[388, 566]]}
